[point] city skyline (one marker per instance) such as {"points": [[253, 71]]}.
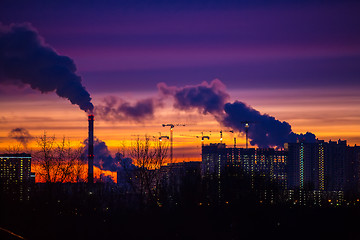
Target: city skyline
{"points": [[295, 62]]}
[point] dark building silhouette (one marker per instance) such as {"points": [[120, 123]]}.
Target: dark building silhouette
{"points": [[324, 166], [15, 176], [309, 173], [233, 174], [305, 165], [323, 171], [181, 169], [179, 181], [174, 174], [266, 162], [214, 159], [270, 162], [352, 181], [336, 165]]}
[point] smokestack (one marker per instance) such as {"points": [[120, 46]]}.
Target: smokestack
{"points": [[91, 150]]}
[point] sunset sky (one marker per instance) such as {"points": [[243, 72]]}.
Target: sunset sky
{"points": [[298, 61]]}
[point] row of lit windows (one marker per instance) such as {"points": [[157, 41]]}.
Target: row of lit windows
{"points": [[302, 166]]}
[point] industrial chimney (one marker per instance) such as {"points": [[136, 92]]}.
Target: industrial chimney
{"points": [[91, 150]]}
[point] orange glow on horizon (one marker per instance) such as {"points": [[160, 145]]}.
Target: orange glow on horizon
{"points": [[319, 111], [99, 174]]}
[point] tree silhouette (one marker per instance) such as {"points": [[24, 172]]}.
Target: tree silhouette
{"points": [[143, 174], [57, 161]]}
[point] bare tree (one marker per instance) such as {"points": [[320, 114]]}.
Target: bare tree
{"points": [[78, 171], [148, 156], [57, 161], [122, 148], [14, 149]]}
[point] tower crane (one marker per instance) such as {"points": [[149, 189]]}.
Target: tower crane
{"points": [[160, 154], [202, 138], [162, 136], [221, 136], [171, 125], [234, 138]]}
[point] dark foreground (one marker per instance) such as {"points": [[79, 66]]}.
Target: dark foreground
{"points": [[199, 222]]}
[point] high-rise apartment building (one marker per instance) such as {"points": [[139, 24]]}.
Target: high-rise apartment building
{"points": [[266, 162], [305, 167], [271, 163], [214, 159], [336, 165], [261, 170], [352, 171], [15, 178], [310, 172], [323, 166]]}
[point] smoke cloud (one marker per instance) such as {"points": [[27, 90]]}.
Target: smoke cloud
{"points": [[25, 59], [207, 98], [117, 109], [104, 160], [21, 135], [264, 131], [102, 155]]}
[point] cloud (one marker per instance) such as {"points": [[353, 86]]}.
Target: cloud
{"points": [[25, 59], [21, 135], [212, 98], [205, 97], [102, 155], [117, 109], [264, 130], [104, 160]]}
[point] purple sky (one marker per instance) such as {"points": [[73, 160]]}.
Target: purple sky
{"points": [[298, 61], [133, 45]]}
